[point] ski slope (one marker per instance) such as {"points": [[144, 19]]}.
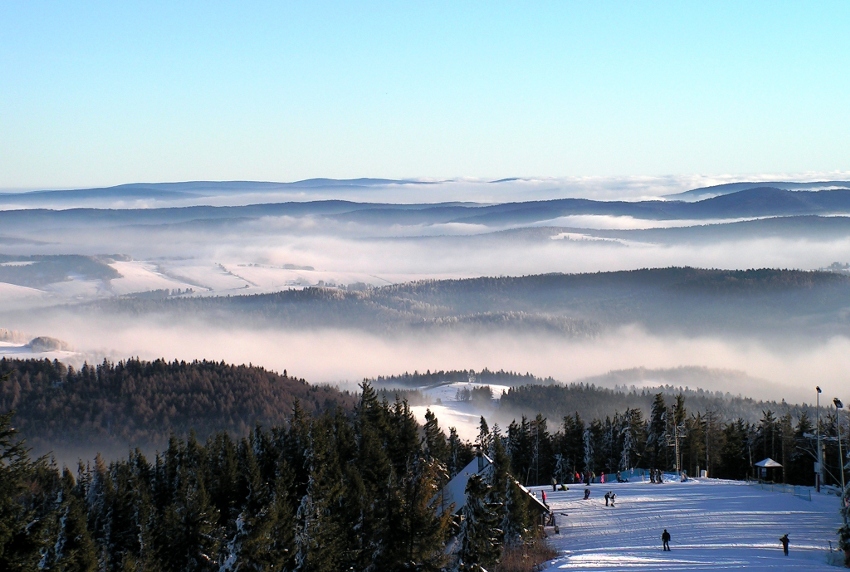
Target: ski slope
{"points": [[714, 524]]}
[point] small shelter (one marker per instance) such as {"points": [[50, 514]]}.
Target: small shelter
{"points": [[766, 464]]}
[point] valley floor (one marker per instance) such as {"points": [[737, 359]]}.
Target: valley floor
{"points": [[714, 524]]}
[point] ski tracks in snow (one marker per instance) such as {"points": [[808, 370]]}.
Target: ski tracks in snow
{"points": [[715, 525]]}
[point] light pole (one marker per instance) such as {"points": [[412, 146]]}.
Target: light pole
{"points": [[839, 405], [819, 475]]}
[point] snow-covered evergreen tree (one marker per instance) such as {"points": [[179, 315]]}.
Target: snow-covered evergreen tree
{"points": [[628, 441], [479, 534], [587, 438]]}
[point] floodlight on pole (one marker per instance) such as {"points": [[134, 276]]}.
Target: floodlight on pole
{"points": [[819, 475], [838, 406]]}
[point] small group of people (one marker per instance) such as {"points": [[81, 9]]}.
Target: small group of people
{"points": [[655, 476], [610, 496], [665, 541]]}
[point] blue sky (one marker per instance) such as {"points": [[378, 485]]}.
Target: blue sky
{"points": [[100, 93]]}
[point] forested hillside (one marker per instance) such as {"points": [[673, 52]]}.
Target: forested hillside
{"points": [[136, 403], [677, 300], [417, 379], [590, 401], [325, 493]]}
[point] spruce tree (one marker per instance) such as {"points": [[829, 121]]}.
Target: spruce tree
{"points": [[20, 529], [320, 538], [436, 446], [479, 536], [74, 550], [656, 444]]}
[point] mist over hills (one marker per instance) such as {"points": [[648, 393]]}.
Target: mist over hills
{"points": [[748, 203], [685, 301], [518, 273], [726, 188]]}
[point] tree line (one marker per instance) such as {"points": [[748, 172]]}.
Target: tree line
{"points": [[344, 490], [670, 437], [141, 403]]}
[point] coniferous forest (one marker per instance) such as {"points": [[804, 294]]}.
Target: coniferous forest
{"points": [[344, 490], [324, 480]]}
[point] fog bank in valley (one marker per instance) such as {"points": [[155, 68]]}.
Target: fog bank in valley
{"points": [[53, 264], [342, 357]]}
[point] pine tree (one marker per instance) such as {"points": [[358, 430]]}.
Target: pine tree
{"points": [[483, 440], [479, 534], [460, 453], [320, 538], [98, 498], [418, 535], [656, 437], [131, 537], [436, 446], [589, 453], [20, 530], [73, 550], [253, 545], [187, 536], [515, 524]]}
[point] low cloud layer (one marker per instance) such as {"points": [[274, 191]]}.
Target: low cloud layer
{"points": [[345, 357]]}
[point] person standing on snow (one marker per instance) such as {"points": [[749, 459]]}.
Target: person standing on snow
{"points": [[784, 540], [665, 538], [607, 496]]}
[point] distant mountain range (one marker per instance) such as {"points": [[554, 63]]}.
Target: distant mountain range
{"points": [[758, 202], [189, 189], [727, 188]]}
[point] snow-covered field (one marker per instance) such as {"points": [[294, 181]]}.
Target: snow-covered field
{"points": [[24, 351], [465, 416], [714, 524]]}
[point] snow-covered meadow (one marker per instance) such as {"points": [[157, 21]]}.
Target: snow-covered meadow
{"points": [[714, 524], [465, 416]]}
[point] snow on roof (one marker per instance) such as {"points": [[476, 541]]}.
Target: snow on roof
{"points": [[455, 490], [454, 493], [768, 464]]}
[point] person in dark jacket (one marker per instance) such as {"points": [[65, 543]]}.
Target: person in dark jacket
{"points": [[607, 496], [784, 540], [665, 538]]}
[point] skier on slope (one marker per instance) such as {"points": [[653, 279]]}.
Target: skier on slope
{"points": [[784, 540], [665, 538]]}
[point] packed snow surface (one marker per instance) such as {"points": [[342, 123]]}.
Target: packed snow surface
{"points": [[714, 524]]}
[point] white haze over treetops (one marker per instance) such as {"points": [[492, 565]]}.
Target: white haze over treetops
{"points": [[274, 253], [343, 357]]}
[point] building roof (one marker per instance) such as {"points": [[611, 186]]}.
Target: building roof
{"points": [[454, 493]]}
